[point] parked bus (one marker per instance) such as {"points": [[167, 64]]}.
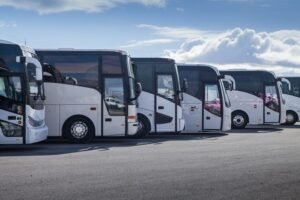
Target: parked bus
{"points": [[257, 98], [206, 106], [159, 105], [90, 93], [291, 94], [22, 110]]}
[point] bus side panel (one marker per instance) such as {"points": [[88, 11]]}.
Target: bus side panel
{"points": [[67, 111], [226, 126], [250, 104], [146, 107], [53, 120], [180, 119], [192, 114], [68, 100]]}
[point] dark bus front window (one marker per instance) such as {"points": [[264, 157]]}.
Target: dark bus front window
{"points": [[32, 82], [11, 97], [111, 64]]}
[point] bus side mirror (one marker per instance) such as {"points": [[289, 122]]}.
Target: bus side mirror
{"points": [[185, 85], [138, 89]]}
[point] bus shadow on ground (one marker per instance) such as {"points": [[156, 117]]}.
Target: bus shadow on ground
{"points": [[60, 146], [263, 129]]}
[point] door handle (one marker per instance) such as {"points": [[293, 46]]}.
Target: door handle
{"points": [[12, 118], [108, 119], [208, 118], [161, 107], [268, 113]]}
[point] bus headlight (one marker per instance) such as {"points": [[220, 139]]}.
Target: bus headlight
{"points": [[10, 130], [35, 123]]}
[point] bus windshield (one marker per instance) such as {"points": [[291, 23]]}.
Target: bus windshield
{"points": [[35, 87], [132, 80]]}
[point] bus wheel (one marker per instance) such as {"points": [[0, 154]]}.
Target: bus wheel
{"points": [[145, 126], [239, 120], [291, 118], [79, 129]]}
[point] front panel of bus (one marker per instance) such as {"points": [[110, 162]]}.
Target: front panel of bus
{"points": [[159, 102], [203, 101], [291, 97], [22, 110]]}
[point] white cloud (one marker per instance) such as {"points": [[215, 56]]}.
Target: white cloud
{"points": [[247, 48], [173, 32], [4, 24], [55, 6], [145, 43]]}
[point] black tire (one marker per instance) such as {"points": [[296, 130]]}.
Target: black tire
{"points": [[291, 118], [239, 120], [84, 127], [144, 128]]}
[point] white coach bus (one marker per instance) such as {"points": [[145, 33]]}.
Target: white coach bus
{"points": [[22, 111], [159, 105], [257, 98], [206, 106], [291, 94], [90, 93]]}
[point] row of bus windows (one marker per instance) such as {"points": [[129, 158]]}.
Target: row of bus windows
{"points": [[80, 70]]}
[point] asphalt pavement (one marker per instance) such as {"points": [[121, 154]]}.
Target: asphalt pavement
{"points": [[255, 163]]}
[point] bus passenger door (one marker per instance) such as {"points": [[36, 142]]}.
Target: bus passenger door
{"points": [[212, 107], [114, 107], [165, 104], [272, 105], [12, 109]]}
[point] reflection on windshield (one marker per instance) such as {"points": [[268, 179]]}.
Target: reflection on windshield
{"points": [[11, 97], [212, 99], [165, 86], [114, 96]]}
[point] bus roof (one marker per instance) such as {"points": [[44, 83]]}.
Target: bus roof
{"points": [[82, 50], [154, 59], [200, 66], [247, 70], [7, 42]]}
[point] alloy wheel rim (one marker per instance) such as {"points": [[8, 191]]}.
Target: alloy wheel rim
{"points": [[238, 120], [79, 130]]}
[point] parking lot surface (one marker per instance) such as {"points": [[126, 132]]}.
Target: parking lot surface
{"points": [[255, 163]]}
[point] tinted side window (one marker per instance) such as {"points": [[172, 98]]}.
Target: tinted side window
{"points": [[295, 87], [145, 76], [76, 70], [250, 83], [194, 84], [111, 65]]}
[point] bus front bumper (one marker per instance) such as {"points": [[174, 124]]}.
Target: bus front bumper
{"points": [[35, 135], [133, 128]]}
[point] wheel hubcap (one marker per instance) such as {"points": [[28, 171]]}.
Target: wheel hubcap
{"points": [[290, 118], [79, 130], [141, 126], [238, 120]]}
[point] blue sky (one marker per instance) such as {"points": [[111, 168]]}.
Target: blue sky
{"points": [[247, 33]]}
